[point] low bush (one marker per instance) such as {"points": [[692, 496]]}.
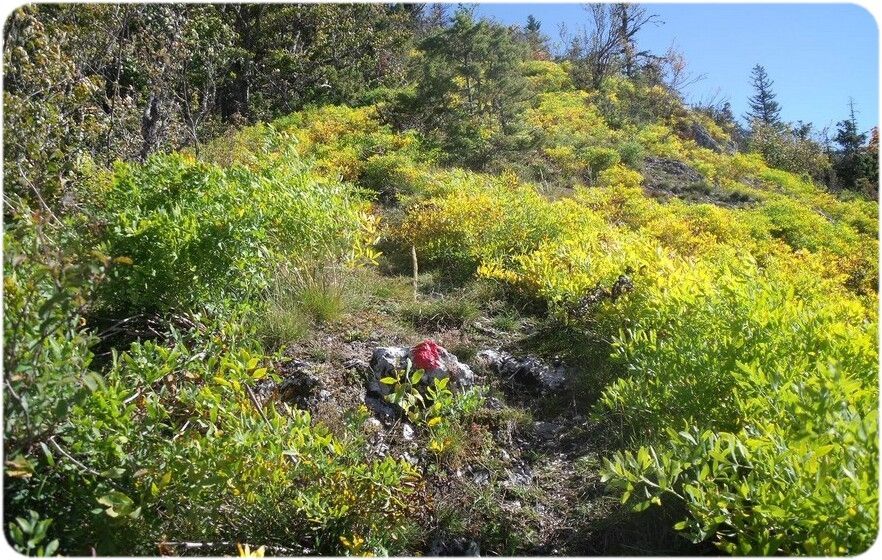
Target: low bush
{"points": [[46, 351], [746, 355], [191, 234], [172, 446]]}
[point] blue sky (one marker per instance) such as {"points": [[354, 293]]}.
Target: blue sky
{"points": [[818, 55]]}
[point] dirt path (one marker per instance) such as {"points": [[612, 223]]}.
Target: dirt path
{"points": [[522, 476]]}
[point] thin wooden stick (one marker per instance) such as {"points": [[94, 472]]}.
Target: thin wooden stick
{"points": [[416, 272], [71, 458], [257, 405]]}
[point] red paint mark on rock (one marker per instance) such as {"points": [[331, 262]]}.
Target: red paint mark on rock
{"points": [[426, 355]]}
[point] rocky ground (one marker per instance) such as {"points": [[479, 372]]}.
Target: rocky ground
{"points": [[521, 475]]}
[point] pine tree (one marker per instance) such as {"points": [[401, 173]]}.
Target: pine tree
{"points": [[725, 116], [852, 163], [847, 135], [471, 91], [763, 106], [536, 40], [533, 24]]}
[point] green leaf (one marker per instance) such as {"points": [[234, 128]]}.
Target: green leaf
{"points": [[118, 504], [92, 381]]}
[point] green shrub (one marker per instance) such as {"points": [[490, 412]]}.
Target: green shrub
{"points": [[788, 150], [173, 447], [799, 478], [600, 159], [195, 235], [46, 350], [631, 153], [390, 175], [773, 378], [484, 219]]}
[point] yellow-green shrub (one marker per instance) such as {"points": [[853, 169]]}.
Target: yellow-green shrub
{"points": [[749, 357], [545, 76], [753, 387], [177, 450], [489, 219]]}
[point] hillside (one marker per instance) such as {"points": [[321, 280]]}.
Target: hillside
{"points": [[642, 339]]}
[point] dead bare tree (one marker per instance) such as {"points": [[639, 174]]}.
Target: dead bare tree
{"points": [[628, 19], [608, 41], [675, 71]]}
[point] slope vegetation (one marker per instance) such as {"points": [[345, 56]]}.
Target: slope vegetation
{"points": [[717, 316]]}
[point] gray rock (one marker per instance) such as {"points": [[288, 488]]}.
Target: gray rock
{"points": [[372, 426], [493, 403], [520, 475], [703, 138], [301, 389], [444, 545], [413, 460], [265, 389], [382, 409], [528, 370], [513, 505], [659, 171], [387, 360], [356, 364], [545, 430], [481, 477], [460, 373]]}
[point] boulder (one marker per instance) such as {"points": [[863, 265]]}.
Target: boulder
{"points": [[545, 430], [387, 361], [383, 409], [703, 138], [435, 360]]}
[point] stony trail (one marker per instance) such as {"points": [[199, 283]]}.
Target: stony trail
{"points": [[523, 475]]}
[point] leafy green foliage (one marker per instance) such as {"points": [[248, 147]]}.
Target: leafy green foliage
{"points": [[434, 406], [791, 150], [46, 352], [731, 343], [192, 233], [28, 535], [176, 430]]}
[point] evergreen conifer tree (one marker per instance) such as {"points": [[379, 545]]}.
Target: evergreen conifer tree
{"points": [[763, 107]]}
